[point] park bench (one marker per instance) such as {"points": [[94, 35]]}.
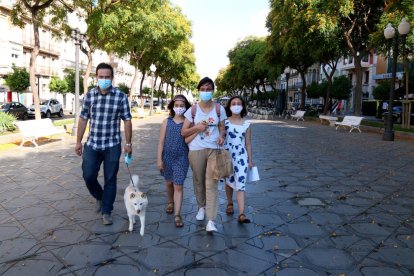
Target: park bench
{"points": [[328, 119], [352, 122], [298, 115], [34, 129]]}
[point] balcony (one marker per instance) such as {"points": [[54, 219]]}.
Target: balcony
{"points": [[46, 48]]}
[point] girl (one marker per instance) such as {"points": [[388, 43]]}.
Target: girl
{"points": [[172, 158], [238, 142]]}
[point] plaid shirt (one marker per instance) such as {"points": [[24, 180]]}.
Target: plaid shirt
{"points": [[104, 113]]}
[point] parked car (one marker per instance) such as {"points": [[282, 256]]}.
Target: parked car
{"points": [[397, 115], [47, 108], [15, 108]]}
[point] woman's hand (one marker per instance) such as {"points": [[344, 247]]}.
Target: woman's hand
{"points": [[251, 165], [201, 126], [160, 165], [220, 141]]}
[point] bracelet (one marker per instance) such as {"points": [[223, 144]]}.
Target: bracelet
{"points": [[128, 145]]}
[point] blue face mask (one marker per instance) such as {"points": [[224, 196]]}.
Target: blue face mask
{"points": [[104, 83], [205, 96]]}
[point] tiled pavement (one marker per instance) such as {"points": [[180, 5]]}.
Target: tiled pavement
{"points": [[329, 203]]}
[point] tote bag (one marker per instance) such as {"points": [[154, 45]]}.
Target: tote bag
{"points": [[223, 166]]}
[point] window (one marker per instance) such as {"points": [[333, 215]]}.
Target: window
{"points": [[366, 76]]}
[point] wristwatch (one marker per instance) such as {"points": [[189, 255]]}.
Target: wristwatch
{"points": [[128, 145]]}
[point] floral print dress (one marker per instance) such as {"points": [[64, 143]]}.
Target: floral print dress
{"points": [[236, 143]]}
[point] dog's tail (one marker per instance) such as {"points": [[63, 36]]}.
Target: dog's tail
{"points": [[134, 182]]}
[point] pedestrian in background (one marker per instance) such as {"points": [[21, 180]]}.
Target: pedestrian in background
{"points": [[204, 131], [172, 158], [104, 106], [238, 143]]}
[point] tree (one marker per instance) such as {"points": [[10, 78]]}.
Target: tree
{"points": [[139, 29], [59, 86], [312, 90], [124, 88], [18, 81], [342, 88], [70, 80], [37, 11], [381, 92], [357, 20], [290, 39]]}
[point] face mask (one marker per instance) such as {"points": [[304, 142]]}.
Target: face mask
{"points": [[236, 109], [179, 110], [205, 96], [104, 83]]}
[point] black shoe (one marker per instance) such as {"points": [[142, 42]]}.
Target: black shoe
{"points": [[98, 206], [107, 219]]}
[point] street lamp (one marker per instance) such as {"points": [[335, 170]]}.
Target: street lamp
{"points": [[153, 68], [172, 88], [404, 29], [287, 74], [79, 28], [389, 34]]}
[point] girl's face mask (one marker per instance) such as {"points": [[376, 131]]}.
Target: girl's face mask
{"points": [[179, 110], [236, 109]]}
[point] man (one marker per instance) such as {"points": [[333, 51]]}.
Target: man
{"points": [[104, 106]]}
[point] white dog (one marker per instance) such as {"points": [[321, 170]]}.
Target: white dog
{"points": [[136, 204]]}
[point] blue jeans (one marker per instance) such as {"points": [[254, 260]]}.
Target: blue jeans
{"points": [[92, 160]]}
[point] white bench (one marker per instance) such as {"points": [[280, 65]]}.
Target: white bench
{"points": [[350, 121], [34, 129], [298, 115], [328, 119]]}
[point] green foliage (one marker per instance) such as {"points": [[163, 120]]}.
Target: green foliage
{"points": [[70, 80], [124, 88], [247, 65], [341, 88], [6, 122], [18, 80], [58, 85], [312, 90], [381, 92], [146, 91]]}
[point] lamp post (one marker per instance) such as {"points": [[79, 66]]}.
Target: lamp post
{"points": [[403, 30], [287, 74], [153, 68], [172, 88], [79, 28], [389, 33]]}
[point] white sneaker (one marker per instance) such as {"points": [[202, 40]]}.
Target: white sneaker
{"points": [[211, 226], [201, 213]]}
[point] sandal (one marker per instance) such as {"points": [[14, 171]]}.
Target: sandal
{"points": [[170, 208], [178, 221], [243, 219], [230, 209]]}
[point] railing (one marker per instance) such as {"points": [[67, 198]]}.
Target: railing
{"points": [[44, 46]]}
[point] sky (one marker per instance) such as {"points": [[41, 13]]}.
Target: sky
{"points": [[218, 25]]}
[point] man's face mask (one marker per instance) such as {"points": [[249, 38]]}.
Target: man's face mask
{"points": [[104, 83]]}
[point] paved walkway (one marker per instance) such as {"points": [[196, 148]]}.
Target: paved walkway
{"points": [[329, 203]]}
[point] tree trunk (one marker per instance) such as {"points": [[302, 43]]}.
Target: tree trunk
{"points": [[32, 66], [140, 88], [358, 86], [134, 80]]}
